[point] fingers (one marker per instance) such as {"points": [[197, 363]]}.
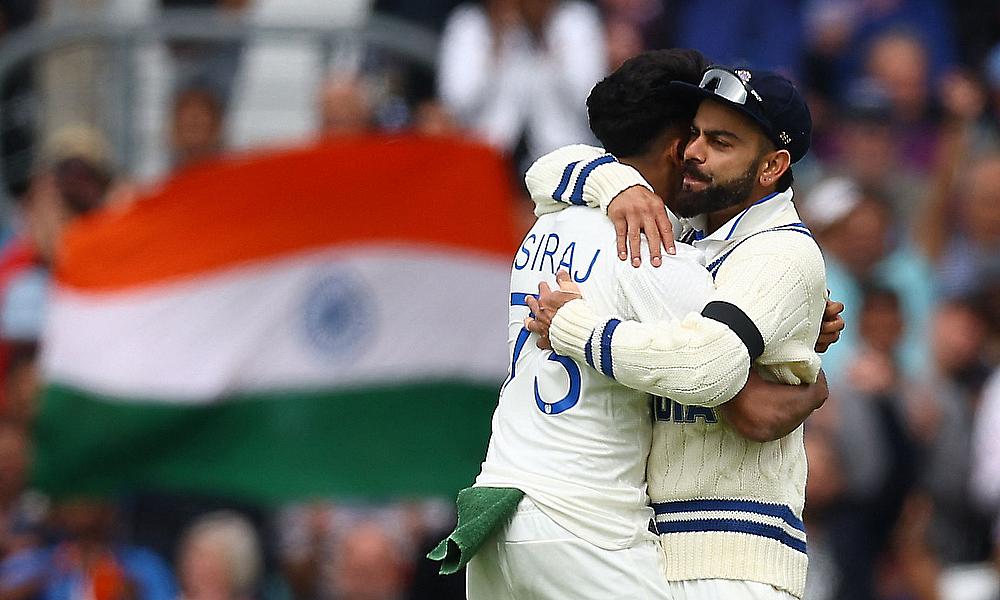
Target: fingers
{"points": [[620, 239], [566, 283], [539, 314], [832, 326], [666, 230], [541, 330], [833, 308], [653, 238], [826, 340], [634, 242], [544, 307]]}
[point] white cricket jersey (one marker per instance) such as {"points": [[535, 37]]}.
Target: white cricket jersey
{"points": [[566, 434]]}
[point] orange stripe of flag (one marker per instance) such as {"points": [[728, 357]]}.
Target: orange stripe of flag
{"points": [[430, 191]]}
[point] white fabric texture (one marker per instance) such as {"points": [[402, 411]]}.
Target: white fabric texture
{"points": [[533, 557]]}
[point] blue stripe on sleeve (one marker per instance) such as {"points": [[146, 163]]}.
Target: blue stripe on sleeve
{"points": [[581, 180], [564, 182], [609, 331]]}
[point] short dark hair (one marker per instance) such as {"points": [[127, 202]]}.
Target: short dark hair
{"points": [[632, 106]]}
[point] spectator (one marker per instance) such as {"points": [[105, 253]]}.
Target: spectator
{"points": [[220, 559], [873, 448], [519, 71], [972, 248], [306, 537], [369, 564], [196, 133], [430, 117], [899, 62], [986, 448], [852, 226], [207, 64], [328, 549], [23, 512], [87, 563], [985, 466], [824, 488], [866, 148], [347, 105], [854, 25], [73, 177], [943, 405], [633, 26]]}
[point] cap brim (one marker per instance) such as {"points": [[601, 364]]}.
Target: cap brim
{"points": [[697, 94]]}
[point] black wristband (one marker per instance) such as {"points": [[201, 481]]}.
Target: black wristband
{"points": [[737, 320]]}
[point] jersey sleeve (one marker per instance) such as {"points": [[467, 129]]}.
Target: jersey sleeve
{"points": [[578, 175], [767, 307], [694, 360], [668, 350]]}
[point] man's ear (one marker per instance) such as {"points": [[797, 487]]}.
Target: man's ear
{"points": [[775, 165], [674, 150]]}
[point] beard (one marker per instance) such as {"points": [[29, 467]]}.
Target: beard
{"points": [[716, 196]]}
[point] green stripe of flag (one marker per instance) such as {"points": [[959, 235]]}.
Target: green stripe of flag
{"points": [[407, 440]]}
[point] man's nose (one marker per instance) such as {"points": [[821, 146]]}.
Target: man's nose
{"points": [[695, 150]]}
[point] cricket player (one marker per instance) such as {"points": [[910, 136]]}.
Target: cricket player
{"points": [[728, 509], [570, 438]]}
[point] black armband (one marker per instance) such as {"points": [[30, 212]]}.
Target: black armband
{"points": [[731, 316]]}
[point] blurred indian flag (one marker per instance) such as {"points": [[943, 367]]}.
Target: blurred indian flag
{"points": [[323, 321]]}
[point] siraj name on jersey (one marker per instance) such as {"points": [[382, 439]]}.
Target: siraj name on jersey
{"points": [[540, 252]]}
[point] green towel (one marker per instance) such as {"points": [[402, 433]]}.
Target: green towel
{"points": [[481, 510]]}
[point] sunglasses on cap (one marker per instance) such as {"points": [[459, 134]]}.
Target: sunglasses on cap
{"points": [[728, 85]]}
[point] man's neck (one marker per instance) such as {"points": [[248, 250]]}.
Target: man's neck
{"points": [[717, 219], [649, 170]]}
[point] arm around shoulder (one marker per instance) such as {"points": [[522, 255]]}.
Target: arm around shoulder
{"points": [[695, 360], [578, 175]]}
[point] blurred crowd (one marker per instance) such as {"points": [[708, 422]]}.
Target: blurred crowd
{"points": [[902, 190]]}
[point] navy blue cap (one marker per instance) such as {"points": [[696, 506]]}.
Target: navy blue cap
{"points": [[767, 98]]}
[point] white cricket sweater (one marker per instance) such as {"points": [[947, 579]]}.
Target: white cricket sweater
{"points": [[572, 439], [726, 507]]}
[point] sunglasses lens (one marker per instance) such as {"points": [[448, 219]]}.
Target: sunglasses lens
{"points": [[725, 84]]}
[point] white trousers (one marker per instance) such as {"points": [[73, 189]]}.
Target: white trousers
{"points": [[534, 558]]}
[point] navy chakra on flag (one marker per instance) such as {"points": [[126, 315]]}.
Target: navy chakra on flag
{"points": [[338, 314]]}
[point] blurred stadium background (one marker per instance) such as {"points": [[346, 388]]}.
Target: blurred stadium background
{"points": [[254, 260]]}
